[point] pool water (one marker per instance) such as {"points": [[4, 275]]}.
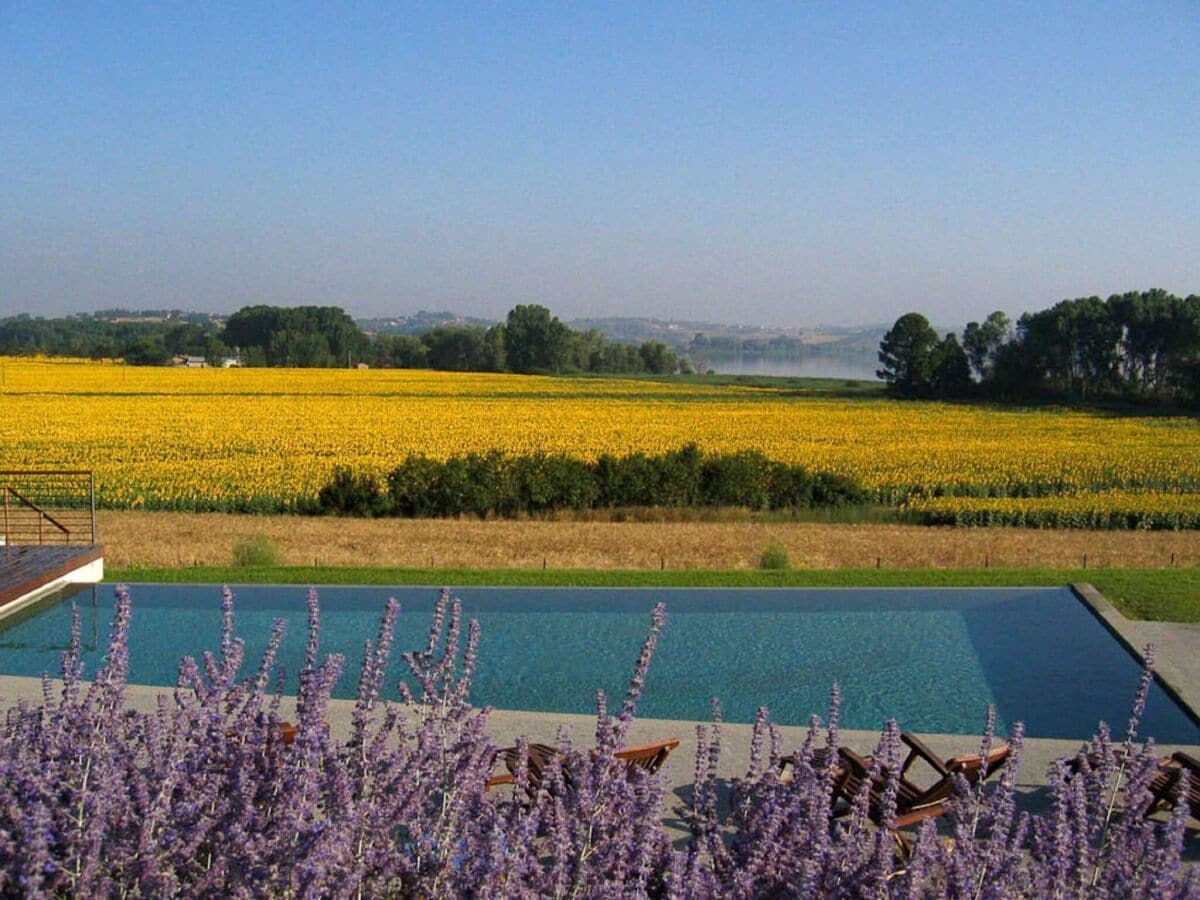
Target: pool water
{"points": [[933, 659]]}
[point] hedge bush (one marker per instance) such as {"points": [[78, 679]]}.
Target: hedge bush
{"points": [[495, 484], [256, 550], [1104, 510]]}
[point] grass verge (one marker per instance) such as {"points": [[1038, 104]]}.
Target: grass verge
{"points": [[1171, 595]]}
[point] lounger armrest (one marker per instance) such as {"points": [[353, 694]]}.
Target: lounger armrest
{"points": [[1187, 761], [918, 750], [818, 760], [498, 780], [643, 749], [862, 764]]}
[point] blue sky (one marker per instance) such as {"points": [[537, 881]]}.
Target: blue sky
{"points": [[773, 164]]}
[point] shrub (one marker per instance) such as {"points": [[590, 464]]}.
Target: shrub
{"points": [[774, 556], [351, 494], [200, 797], [255, 550], [412, 487], [790, 487], [735, 479], [454, 492], [631, 480], [543, 483], [495, 484], [679, 476], [829, 490], [487, 482]]}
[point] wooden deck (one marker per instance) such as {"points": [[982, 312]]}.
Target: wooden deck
{"points": [[25, 569]]}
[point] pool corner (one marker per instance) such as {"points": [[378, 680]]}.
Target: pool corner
{"points": [[1177, 646]]}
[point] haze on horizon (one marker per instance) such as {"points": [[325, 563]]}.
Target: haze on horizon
{"points": [[761, 164]]}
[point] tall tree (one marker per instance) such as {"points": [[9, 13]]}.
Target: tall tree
{"points": [[454, 349], [297, 336], [907, 355], [492, 356], [148, 350], [658, 358], [1096, 338], [534, 340], [399, 351], [254, 326], [951, 375], [1149, 324], [982, 342]]}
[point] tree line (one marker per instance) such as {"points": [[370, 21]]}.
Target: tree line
{"points": [[138, 342], [1142, 347], [530, 339]]}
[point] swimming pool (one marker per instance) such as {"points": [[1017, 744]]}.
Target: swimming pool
{"points": [[933, 659]]}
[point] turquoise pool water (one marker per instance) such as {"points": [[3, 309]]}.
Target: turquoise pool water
{"points": [[933, 659]]}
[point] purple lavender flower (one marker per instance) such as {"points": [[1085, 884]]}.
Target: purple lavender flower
{"points": [[201, 796]]}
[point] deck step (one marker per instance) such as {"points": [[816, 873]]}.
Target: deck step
{"points": [[25, 569]]}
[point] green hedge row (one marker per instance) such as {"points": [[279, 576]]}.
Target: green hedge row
{"points": [[1094, 519], [494, 484], [899, 494]]}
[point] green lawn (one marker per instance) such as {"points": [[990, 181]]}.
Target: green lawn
{"points": [[1171, 595]]}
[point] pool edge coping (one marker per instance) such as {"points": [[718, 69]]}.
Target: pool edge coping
{"points": [[1170, 679]]}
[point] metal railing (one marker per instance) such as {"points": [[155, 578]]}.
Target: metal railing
{"points": [[47, 507]]}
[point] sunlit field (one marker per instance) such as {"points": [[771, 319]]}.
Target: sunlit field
{"points": [[260, 439]]}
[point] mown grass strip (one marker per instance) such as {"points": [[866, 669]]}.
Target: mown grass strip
{"points": [[1171, 595]]}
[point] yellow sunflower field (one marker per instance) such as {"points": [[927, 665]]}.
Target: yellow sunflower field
{"points": [[264, 439]]}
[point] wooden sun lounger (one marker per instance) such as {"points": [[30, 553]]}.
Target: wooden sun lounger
{"points": [[915, 803], [286, 730], [787, 764], [645, 757], [1165, 786]]}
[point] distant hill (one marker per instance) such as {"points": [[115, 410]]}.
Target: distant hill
{"points": [[119, 314], [713, 338], [420, 322], [679, 334], [699, 340], [638, 330]]}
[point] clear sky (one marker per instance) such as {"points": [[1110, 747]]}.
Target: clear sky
{"points": [[738, 162]]}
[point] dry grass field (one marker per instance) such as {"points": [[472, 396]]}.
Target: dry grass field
{"points": [[166, 539]]}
